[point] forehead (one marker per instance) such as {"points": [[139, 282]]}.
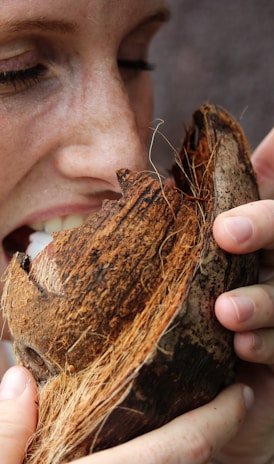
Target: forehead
{"points": [[95, 13]]}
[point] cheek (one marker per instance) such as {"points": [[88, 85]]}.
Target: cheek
{"points": [[16, 156], [11, 156], [24, 130], [141, 98]]}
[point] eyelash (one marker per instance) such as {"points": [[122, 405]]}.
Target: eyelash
{"points": [[25, 77], [29, 76], [136, 65]]}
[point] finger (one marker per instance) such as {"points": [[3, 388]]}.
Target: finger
{"points": [[18, 413], [246, 308], [256, 346], [249, 311], [246, 228], [190, 439], [263, 163]]}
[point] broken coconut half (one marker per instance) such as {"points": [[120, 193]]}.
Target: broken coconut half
{"points": [[116, 318]]}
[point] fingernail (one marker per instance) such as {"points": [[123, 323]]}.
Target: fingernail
{"points": [[13, 383], [248, 396], [239, 228], [244, 308]]}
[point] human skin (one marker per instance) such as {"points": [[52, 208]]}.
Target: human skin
{"points": [[63, 135], [18, 413]]}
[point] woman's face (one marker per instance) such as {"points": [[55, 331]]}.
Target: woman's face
{"points": [[75, 106]]}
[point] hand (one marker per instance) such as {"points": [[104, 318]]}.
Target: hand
{"points": [[18, 414], [189, 439], [192, 438], [249, 312]]}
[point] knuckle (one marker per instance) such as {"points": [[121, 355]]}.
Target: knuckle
{"points": [[266, 300]]}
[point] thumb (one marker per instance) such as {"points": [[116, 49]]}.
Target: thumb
{"points": [[192, 438], [18, 413]]}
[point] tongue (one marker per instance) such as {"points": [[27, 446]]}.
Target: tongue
{"points": [[37, 242]]}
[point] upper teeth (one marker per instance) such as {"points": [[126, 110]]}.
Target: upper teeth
{"points": [[39, 239], [57, 224]]}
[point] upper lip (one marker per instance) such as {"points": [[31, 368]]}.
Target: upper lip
{"points": [[55, 212], [41, 216], [64, 210], [60, 211]]}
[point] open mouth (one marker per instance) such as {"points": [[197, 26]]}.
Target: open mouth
{"points": [[18, 240], [33, 238]]}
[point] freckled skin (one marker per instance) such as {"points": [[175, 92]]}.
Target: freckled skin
{"points": [[62, 141], [63, 137]]}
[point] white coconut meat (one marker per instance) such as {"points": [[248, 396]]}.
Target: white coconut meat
{"points": [[38, 241]]}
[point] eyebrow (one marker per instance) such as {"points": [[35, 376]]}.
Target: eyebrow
{"points": [[41, 24], [67, 27]]}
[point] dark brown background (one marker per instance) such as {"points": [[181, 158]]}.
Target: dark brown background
{"points": [[218, 51]]}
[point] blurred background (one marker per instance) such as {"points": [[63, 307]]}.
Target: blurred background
{"points": [[216, 51]]}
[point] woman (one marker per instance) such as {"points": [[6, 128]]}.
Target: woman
{"points": [[75, 106]]}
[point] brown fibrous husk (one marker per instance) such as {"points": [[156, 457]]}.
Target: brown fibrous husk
{"points": [[116, 318]]}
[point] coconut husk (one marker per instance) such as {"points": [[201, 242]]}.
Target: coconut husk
{"points": [[116, 318]]}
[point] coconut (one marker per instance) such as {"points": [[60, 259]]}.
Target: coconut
{"points": [[115, 319]]}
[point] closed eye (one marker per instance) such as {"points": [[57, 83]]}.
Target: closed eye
{"points": [[21, 79], [136, 65]]}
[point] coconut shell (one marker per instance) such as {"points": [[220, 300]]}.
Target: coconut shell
{"points": [[116, 318]]}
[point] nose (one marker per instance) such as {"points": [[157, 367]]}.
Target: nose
{"points": [[100, 134]]}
